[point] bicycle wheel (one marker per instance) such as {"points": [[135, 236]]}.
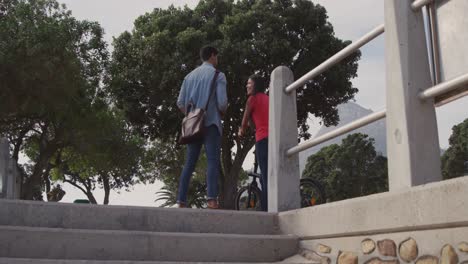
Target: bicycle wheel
{"points": [[312, 193], [242, 199]]}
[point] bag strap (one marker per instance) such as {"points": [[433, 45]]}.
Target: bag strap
{"points": [[213, 84]]}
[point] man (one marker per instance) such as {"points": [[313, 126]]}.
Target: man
{"points": [[195, 92]]}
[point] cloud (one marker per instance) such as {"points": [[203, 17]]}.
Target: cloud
{"points": [[117, 16], [352, 19]]}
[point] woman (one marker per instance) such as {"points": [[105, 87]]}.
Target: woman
{"points": [[256, 110]]}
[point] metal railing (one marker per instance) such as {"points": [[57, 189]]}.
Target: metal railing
{"points": [[444, 87], [335, 59], [413, 92], [431, 92], [337, 132], [418, 4]]}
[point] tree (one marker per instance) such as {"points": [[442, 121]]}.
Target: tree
{"points": [[47, 59], [349, 170], [51, 66], [455, 159], [53, 108], [105, 154], [149, 64]]}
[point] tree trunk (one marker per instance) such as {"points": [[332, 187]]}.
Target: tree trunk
{"points": [[18, 142], [89, 192], [221, 182], [106, 184], [33, 185], [231, 174], [86, 191], [46, 178], [229, 191], [91, 197]]}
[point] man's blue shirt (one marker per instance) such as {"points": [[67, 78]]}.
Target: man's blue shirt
{"points": [[196, 90]]}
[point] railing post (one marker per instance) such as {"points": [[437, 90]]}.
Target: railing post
{"points": [[412, 139], [283, 171]]}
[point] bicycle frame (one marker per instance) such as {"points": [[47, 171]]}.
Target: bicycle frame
{"points": [[253, 184]]}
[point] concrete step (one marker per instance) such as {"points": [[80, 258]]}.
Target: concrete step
{"points": [[65, 261], [293, 260], [85, 244], [108, 217]]}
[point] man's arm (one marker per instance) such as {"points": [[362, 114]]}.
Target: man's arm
{"points": [[181, 99]]}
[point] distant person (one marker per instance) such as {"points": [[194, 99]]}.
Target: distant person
{"points": [[195, 93], [256, 110]]}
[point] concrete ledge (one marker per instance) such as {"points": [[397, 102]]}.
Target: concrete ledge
{"points": [[107, 217], [292, 260], [56, 243], [431, 206], [428, 242]]}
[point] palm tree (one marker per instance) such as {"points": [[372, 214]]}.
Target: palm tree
{"points": [[196, 196]]}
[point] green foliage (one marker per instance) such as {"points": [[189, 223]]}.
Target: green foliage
{"points": [[53, 108], [48, 60], [349, 170], [455, 159], [105, 153], [196, 195], [168, 167], [149, 64]]}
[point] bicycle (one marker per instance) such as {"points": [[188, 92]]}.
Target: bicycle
{"points": [[249, 197]]}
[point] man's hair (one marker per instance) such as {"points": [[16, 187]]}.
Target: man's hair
{"points": [[259, 83], [207, 51]]}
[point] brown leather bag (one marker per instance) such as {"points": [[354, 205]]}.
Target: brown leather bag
{"points": [[193, 124]]}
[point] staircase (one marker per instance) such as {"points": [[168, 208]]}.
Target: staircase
{"points": [[39, 232]]}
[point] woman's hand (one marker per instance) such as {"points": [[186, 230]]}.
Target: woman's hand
{"points": [[241, 132]]}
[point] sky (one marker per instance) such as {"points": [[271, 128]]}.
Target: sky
{"points": [[350, 19]]}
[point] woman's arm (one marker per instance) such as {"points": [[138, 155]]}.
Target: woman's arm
{"points": [[245, 119]]}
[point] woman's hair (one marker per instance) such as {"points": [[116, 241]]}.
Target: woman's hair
{"points": [[259, 83]]}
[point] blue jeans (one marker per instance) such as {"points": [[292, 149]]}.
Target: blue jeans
{"points": [[261, 150], [212, 142]]}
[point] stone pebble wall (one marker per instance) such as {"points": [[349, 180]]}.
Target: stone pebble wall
{"points": [[389, 251]]}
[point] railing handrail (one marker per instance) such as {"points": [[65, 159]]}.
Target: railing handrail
{"points": [[429, 93], [444, 87], [348, 50], [418, 4], [337, 132]]}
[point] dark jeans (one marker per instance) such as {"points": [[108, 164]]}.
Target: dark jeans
{"points": [[212, 142], [261, 150]]}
